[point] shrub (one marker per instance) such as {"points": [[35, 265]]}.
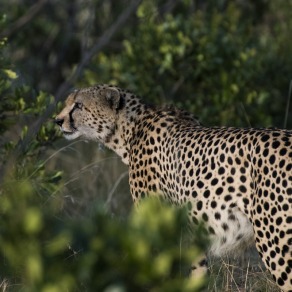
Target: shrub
{"points": [[151, 250], [214, 60]]}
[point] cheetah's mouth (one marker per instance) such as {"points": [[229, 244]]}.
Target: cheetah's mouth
{"points": [[71, 135]]}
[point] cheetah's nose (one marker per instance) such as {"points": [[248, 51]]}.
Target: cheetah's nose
{"points": [[59, 122]]}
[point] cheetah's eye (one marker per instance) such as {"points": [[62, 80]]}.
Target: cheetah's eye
{"points": [[78, 105]]}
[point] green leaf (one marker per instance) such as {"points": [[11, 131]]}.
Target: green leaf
{"points": [[10, 74]]}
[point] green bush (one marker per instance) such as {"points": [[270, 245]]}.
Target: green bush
{"points": [[151, 250], [220, 61]]}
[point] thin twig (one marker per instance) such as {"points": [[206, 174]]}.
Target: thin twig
{"points": [[246, 275], [110, 195], [228, 266], [245, 114], [50, 157], [288, 105]]}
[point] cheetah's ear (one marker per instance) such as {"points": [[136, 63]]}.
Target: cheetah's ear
{"points": [[112, 96]]}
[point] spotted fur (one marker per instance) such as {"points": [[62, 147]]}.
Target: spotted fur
{"points": [[239, 181]]}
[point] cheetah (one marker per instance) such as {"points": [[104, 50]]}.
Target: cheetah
{"points": [[238, 181]]}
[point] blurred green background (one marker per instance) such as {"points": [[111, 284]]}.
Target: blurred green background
{"points": [[228, 62]]}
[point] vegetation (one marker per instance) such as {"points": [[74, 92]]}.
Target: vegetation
{"points": [[42, 252], [65, 209]]}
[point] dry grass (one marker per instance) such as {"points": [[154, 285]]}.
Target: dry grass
{"points": [[245, 273], [4, 285], [7, 285], [91, 177]]}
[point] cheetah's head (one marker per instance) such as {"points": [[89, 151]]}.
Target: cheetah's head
{"points": [[90, 113]]}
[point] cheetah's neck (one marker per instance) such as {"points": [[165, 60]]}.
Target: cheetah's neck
{"points": [[119, 139]]}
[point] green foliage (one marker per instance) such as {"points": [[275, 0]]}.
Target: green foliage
{"points": [[227, 61], [150, 250], [212, 61], [20, 105], [7, 105]]}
